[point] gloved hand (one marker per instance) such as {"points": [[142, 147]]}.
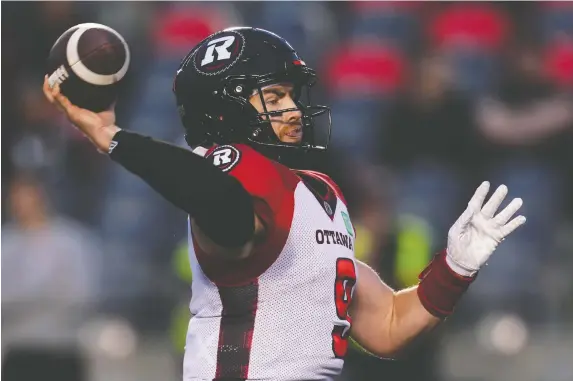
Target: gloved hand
{"points": [[477, 232]]}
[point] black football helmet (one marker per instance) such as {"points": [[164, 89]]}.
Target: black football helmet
{"points": [[216, 79]]}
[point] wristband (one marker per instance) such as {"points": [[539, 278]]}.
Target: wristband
{"points": [[440, 287]]}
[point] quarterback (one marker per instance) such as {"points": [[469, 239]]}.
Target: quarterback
{"points": [[277, 291]]}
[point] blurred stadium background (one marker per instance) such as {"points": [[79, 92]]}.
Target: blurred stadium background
{"points": [[428, 99]]}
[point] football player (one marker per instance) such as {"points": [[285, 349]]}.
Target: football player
{"points": [[276, 289]]}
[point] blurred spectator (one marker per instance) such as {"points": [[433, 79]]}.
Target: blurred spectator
{"points": [[527, 111], [474, 24], [427, 139], [437, 116], [362, 76], [470, 35], [48, 145], [50, 267], [34, 140], [527, 134]]}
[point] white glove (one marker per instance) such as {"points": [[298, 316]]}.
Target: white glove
{"points": [[476, 233]]}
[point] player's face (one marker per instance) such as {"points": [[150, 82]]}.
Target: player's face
{"points": [[288, 125], [26, 202]]}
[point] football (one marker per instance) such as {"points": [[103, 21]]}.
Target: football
{"points": [[89, 61]]}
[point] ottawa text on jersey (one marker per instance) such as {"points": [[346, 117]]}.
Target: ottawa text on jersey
{"points": [[331, 237]]}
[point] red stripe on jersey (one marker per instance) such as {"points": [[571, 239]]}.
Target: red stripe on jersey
{"points": [[236, 331], [272, 186]]}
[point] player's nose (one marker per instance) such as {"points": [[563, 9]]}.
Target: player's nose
{"points": [[295, 114]]}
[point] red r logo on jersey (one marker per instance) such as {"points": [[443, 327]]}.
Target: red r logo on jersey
{"points": [[343, 288]]}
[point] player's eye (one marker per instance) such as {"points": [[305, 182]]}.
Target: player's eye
{"points": [[272, 101]]}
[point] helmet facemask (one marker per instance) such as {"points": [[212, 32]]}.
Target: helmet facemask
{"points": [[260, 131]]}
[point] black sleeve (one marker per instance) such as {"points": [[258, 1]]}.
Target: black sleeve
{"points": [[218, 202]]}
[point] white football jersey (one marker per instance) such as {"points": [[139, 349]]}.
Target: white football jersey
{"points": [[282, 313]]}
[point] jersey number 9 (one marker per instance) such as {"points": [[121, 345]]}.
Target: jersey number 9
{"points": [[343, 288]]}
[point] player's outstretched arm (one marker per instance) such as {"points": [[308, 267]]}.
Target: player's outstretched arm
{"points": [[218, 203], [384, 322]]}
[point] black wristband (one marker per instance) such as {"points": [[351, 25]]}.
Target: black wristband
{"points": [[218, 202]]}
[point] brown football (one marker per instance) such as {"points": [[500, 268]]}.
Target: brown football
{"points": [[89, 62]]}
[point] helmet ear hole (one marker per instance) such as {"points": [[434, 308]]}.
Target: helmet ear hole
{"points": [[237, 88]]}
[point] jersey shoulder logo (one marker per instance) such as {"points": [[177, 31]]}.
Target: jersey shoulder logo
{"points": [[225, 157], [219, 53]]}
